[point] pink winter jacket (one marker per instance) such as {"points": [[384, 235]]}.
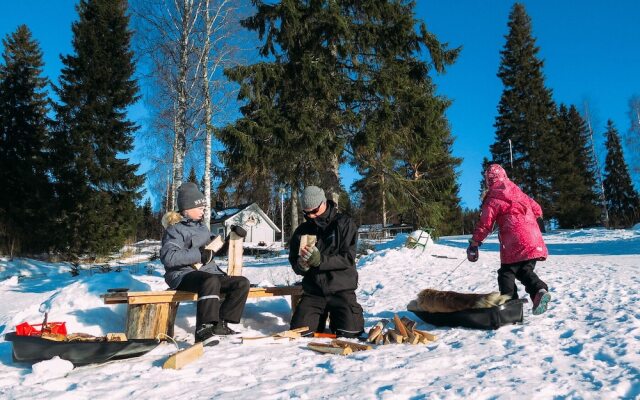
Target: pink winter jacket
{"points": [[515, 213]]}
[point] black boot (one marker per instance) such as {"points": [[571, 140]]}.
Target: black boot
{"points": [[205, 333], [221, 328]]}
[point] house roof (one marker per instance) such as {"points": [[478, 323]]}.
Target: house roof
{"points": [[223, 215]]}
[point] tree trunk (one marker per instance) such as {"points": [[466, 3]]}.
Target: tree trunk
{"points": [[294, 209], [208, 115], [181, 119], [333, 189], [384, 201]]}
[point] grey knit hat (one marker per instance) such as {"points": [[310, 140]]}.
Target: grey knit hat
{"points": [[312, 197], [189, 196]]}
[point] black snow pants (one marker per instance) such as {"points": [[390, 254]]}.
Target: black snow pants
{"points": [[345, 314], [209, 287], [523, 271]]}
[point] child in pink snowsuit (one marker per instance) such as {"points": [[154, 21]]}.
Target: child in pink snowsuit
{"points": [[521, 243]]}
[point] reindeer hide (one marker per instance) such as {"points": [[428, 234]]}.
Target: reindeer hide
{"points": [[436, 301]]}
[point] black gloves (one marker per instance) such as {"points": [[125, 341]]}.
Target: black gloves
{"points": [[238, 230], [541, 225], [472, 253]]}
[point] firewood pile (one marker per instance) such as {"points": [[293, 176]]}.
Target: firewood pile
{"points": [[404, 331]]}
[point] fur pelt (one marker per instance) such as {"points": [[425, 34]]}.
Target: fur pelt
{"points": [[170, 218], [432, 300]]}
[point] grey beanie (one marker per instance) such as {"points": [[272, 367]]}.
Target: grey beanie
{"points": [[189, 196], [312, 197]]}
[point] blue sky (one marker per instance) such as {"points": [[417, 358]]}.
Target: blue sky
{"points": [[591, 50]]}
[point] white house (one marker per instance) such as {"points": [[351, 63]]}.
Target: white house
{"points": [[259, 227]]}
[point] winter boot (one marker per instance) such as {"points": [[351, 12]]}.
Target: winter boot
{"points": [[205, 333], [221, 328], [540, 301]]}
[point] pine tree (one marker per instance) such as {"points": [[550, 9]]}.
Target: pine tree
{"points": [[26, 192], [525, 124], [623, 201], [97, 188]]}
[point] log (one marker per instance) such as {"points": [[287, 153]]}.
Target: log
{"points": [[329, 349], [148, 321], [400, 328], [184, 357], [235, 255]]}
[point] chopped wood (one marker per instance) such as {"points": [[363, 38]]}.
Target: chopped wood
{"points": [[306, 241], [429, 336], [116, 337], [352, 345], [184, 357], [376, 330], [329, 349], [386, 339], [380, 339], [394, 337], [414, 338], [409, 323], [56, 337], [400, 328], [216, 244]]}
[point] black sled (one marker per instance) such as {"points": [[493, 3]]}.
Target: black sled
{"points": [[35, 348], [478, 318]]}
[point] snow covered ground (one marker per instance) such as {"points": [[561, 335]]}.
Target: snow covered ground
{"points": [[586, 346]]}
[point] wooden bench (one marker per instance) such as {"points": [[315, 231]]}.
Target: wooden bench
{"points": [[151, 314]]}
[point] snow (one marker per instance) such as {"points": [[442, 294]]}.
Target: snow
{"points": [[586, 346]]}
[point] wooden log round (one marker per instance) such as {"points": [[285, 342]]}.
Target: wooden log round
{"points": [[147, 321]]}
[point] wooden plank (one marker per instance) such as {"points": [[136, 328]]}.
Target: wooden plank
{"points": [[184, 357], [235, 255], [170, 296]]}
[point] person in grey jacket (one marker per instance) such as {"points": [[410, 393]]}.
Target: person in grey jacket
{"points": [[190, 267]]}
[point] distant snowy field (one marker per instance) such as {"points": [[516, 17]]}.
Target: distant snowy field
{"points": [[587, 346]]}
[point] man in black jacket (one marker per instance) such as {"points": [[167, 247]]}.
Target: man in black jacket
{"points": [[328, 267]]}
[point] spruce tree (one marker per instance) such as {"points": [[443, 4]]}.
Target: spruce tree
{"points": [[97, 187], [574, 182], [26, 192], [526, 113], [623, 202]]}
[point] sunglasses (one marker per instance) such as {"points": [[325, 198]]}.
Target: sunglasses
{"points": [[314, 211]]}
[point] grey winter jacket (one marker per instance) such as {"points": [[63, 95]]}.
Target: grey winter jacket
{"points": [[180, 250]]}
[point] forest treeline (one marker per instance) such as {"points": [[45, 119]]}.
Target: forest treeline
{"points": [[333, 84]]}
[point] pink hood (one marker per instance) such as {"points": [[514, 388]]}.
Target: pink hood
{"points": [[515, 213]]}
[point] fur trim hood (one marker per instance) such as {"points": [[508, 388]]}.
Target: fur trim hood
{"points": [[171, 218]]}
